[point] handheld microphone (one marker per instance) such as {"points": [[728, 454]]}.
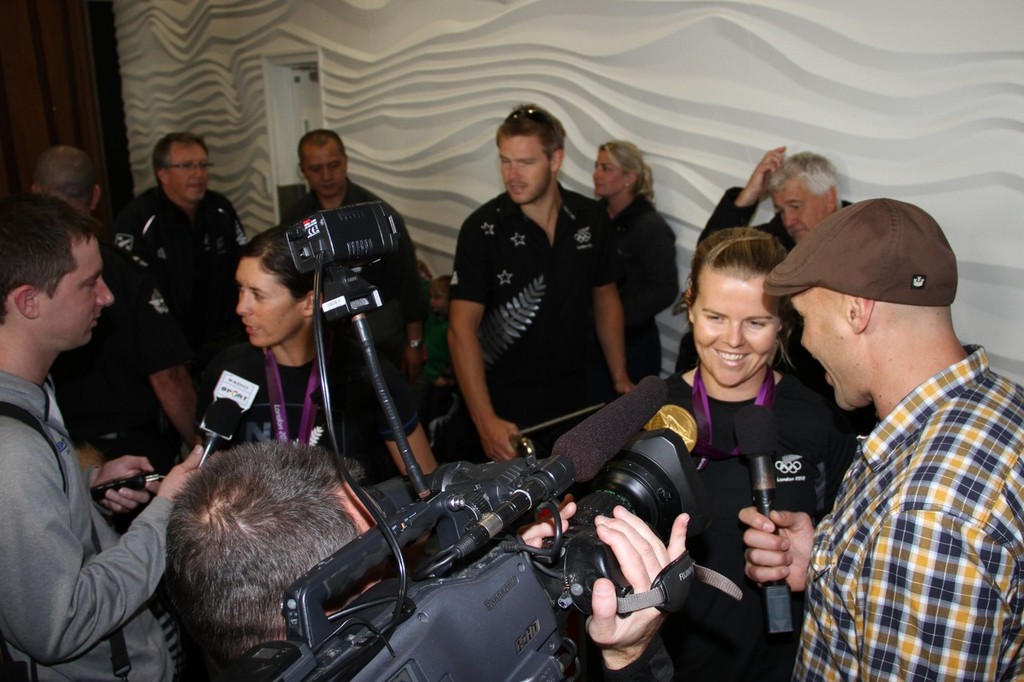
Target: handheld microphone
{"points": [[578, 455], [756, 434], [219, 423]]}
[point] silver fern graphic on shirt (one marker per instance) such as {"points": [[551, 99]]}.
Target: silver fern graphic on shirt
{"points": [[505, 324]]}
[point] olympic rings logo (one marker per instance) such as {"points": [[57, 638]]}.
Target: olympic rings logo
{"points": [[789, 465]]}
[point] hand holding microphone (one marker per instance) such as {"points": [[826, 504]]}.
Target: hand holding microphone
{"points": [[756, 433]]}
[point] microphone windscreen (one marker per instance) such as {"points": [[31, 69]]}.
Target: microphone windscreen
{"points": [[222, 417], [755, 430], [595, 440]]}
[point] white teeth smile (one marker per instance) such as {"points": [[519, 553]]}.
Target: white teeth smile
{"points": [[733, 357]]}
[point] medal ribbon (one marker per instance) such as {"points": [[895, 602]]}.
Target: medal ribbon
{"points": [[278, 407], [702, 413]]}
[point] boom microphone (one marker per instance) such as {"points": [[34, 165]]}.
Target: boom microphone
{"points": [[219, 423], [578, 455], [599, 437], [756, 434]]}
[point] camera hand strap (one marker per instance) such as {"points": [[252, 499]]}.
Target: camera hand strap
{"points": [[670, 589]]}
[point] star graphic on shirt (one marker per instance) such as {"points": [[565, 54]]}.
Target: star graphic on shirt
{"points": [[488, 229], [504, 277], [518, 239]]}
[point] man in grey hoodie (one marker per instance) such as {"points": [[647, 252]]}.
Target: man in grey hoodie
{"points": [[73, 593]]}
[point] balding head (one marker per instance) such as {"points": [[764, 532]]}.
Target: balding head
{"points": [[67, 173]]}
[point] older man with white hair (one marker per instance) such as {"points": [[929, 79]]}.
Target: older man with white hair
{"points": [[804, 189]]}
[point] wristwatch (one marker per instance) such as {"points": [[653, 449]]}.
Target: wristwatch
{"points": [[415, 343]]}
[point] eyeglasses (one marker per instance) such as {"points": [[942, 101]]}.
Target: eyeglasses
{"points": [[535, 115], [190, 166]]}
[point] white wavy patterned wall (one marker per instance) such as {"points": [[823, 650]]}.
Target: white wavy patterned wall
{"points": [[921, 100]]}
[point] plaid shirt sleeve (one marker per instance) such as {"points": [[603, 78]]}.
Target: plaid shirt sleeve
{"points": [[934, 599]]}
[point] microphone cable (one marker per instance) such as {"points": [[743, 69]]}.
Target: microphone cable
{"points": [[367, 502]]}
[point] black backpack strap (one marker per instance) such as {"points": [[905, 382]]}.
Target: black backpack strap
{"points": [[14, 671], [119, 660], [26, 418]]}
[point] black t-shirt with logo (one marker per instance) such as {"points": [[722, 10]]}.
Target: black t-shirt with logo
{"points": [[715, 637], [537, 297]]}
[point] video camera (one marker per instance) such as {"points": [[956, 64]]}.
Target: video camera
{"points": [[504, 609], [480, 599]]}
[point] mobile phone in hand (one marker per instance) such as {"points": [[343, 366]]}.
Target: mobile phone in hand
{"points": [[136, 482]]}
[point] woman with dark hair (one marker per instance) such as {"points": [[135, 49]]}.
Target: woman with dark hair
{"points": [[275, 303], [649, 282], [738, 330]]}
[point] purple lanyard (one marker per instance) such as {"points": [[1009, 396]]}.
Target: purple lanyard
{"points": [[702, 413], [278, 406]]}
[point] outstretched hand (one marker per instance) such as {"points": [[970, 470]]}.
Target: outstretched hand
{"points": [[496, 436], [123, 499], [177, 476], [535, 533]]}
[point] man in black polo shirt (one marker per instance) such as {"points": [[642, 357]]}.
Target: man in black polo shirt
{"points": [[191, 237], [397, 327], [530, 265]]}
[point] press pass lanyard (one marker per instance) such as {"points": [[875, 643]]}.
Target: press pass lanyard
{"points": [[702, 413], [278, 407]]}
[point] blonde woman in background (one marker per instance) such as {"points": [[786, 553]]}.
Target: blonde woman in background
{"points": [[649, 280]]}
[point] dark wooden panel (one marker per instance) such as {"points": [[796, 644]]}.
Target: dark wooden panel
{"points": [[26, 89], [47, 87]]}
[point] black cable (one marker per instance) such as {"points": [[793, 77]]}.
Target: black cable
{"points": [[369, 504], [353, 622]]}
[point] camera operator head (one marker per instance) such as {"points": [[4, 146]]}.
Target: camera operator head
{"points": [[246, 525]]}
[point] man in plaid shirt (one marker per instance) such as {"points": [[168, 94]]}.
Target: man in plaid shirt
{"points": [[918, 573]]}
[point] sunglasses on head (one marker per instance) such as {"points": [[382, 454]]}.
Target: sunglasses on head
{"points": [[535, 115]]}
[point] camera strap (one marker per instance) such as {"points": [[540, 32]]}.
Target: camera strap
{"points": [[670, 589]]}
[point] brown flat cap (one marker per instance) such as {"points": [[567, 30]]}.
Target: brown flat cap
{"points": [[881, 249]]}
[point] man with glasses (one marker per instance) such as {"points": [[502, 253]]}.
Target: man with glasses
{"points": [[191, 238], [397, 327], [530, 266]]}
